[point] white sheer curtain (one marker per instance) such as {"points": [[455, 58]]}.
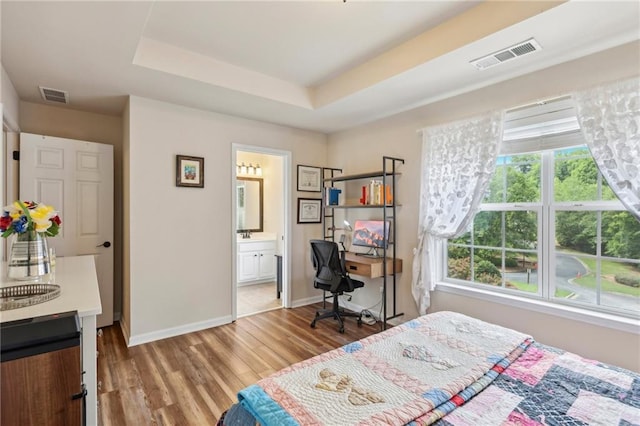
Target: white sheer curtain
{"points": [[610, 120], [458, 160]]}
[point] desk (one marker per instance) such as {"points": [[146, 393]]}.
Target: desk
{"points": [[78, 292], [370, 267]]}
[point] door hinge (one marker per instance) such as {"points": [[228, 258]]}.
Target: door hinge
{"points": [[16, 155]]}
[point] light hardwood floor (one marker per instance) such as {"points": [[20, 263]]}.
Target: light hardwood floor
{"points": [[192, 379]]}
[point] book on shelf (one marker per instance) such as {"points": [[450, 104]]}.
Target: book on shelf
{"points": [[332, 196], [375, 193]]}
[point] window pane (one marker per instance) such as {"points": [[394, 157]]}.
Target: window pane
{"points": [[521, 229], [620, 285], [576, 231], [574, 279], [516, 180], [459, 263], [620, 235], [595, 254], [523, 179], [577, 177], [521, 271], [607, 283], [487, 229], [484, 269], [497, 187]]}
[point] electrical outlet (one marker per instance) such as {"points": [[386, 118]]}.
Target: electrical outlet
{"points": [[381, 288]]}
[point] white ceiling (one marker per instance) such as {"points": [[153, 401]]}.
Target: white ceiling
{"points": [[322, 65]]}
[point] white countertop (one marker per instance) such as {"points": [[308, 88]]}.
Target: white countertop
{"points": [[76, 276]]}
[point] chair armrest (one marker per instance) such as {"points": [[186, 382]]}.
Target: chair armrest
{"points": [[343, 264], [343, 268]]}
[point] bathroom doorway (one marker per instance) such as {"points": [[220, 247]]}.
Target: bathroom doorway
{"points": [[262, 223]]}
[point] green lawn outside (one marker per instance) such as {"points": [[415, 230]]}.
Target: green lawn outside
{"points": [[608, 270], [607, 286], [531, 288], [611, 268], [562, 293]]}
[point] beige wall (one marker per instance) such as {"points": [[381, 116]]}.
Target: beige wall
{"points": [[180, 259], [68, 123], [10, 101], [360, 149]]}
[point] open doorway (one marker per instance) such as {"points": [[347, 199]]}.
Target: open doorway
{"points": [[261, 218]]}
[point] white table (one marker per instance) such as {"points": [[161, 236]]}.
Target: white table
{"points": [[76, 276]]}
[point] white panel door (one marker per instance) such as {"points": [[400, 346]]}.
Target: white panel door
{"points": [[76, 178]]}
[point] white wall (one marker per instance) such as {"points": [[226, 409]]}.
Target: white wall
{"points": [[180, 258], [360, 149]]}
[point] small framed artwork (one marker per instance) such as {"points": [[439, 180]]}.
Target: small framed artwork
{"points": [[189, 171], [309, 210], [309, 178]]}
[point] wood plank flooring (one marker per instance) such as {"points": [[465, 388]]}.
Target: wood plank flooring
{"points": [[192, 379]]}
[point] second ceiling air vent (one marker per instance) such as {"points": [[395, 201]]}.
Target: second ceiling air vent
{"points": [[54, 95], [503, 55]]}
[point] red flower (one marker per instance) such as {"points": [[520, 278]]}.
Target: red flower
{"points": [[5, 222], [56, 219]]}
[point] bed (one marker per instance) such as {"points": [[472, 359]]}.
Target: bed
{"points": [[447, 369]]}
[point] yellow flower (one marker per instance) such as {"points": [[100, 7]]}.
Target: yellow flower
{"points": [[41, 217]]}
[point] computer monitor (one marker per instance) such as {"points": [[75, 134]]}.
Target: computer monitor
{"points": [[371, 233]]}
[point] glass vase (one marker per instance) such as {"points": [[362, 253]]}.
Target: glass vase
{"points": [[29, 258]]}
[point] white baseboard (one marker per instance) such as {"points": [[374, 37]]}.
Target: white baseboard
{"points": [[177, 331], [305, 302], [188, 328]]}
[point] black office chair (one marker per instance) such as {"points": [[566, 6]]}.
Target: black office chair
{"points": [[331, 275]]}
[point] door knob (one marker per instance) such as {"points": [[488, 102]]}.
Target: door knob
{"points": [[106, 244]]}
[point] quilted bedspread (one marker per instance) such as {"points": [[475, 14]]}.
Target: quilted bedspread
{"points": [[414, 373], [548, 386]]}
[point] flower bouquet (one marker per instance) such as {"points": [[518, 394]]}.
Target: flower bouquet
{"points": [[23, 216], [31, 222]]}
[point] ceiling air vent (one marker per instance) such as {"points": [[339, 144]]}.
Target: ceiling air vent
{"points": [[503, 55], [54, 95]]}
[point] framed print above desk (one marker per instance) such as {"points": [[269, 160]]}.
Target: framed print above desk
{"points": [[309, 210], [309, 178]]}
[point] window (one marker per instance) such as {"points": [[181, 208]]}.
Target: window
{"points": [[550, 228]]}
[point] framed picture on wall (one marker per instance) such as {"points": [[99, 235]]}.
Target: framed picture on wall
{"points": [[189, 171], [309, 178], [309, 210]]}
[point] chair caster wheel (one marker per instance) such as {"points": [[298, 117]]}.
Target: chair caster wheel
{"points": [[359, 322], [341, 330], [313, 324]]}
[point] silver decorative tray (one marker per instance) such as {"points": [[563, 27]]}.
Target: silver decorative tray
{"points": [[19, 296]]}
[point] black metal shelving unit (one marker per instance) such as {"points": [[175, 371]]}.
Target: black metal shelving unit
{"points": [[389, 175]]}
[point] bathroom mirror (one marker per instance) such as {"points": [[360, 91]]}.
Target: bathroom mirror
{"points": [[249, 204]]}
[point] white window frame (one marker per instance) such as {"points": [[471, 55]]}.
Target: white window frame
{"points": [[542, 301]]}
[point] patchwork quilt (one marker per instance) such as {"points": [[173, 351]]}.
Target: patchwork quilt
{"points": [[547, 386], [414, 373], [445, 369]]}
